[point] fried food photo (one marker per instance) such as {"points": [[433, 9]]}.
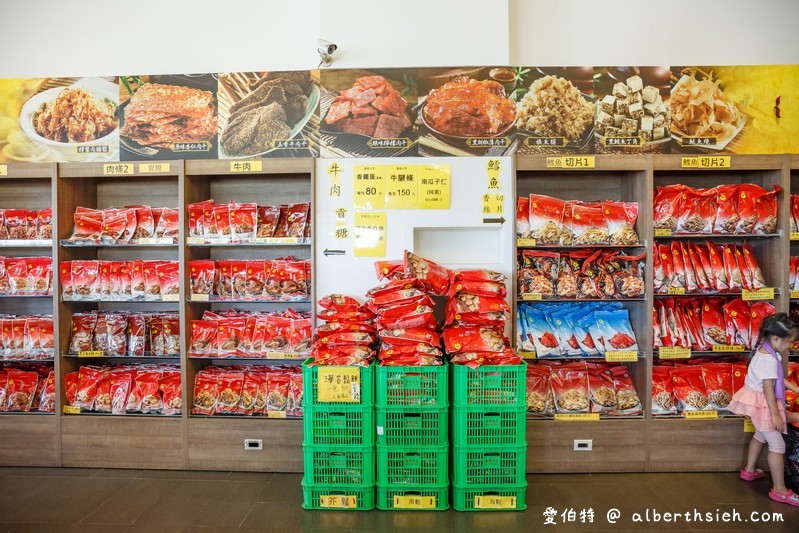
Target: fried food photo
{"points": [[75, 116], [465, 107], [699, 108]]}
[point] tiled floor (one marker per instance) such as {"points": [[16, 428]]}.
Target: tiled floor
{"points": [[88, 500]]}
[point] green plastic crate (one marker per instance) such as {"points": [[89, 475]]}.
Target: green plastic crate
{"points": [[487, 498], [339, 425], [401, 426], [494, 466], [337, 497], [489, 426], [413, 386], [394, 498], [310, 385], [500, 385], [419, 467], [339, 465]]}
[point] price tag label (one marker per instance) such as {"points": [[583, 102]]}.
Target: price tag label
{"points": [[370, 187], [401, 186], [613, 356], [522, 243], [91, 353], [339, 384], [170, 298], [577, 417], [151, 168], [246, 166], [571, 162], [414, 502], [749, 427], [528, 355], [676, 290], [434, 186], [759, 294], [370, 234], [531, 297], [276, 414], [493, 204], [495, 502], [71, 410], [276, 355], [662, 232], [200, 297], [794, 234], [3, 170], [148, 240], [674, 352], [335, 501], [717, 161], [117, 169], [728, 348], [794, 295], [195, 240], [701, 415]]}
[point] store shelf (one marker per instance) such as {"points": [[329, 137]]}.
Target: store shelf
{"points": [[298, 359], [551, 418], [7, 361], [521, 299], [217, 299], [530, 356], [19, 243], [132, 301], [25, 413], [126, 415], [276, 242], [26, 295], [161, 243], [577, 247], [29, 439], [131, 358], [245, 417], [715, 236], [708, 294]]}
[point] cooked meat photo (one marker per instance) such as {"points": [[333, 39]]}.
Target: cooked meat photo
{"points": [[75, 116], [159, 115], [465, 107], [371, 107]]}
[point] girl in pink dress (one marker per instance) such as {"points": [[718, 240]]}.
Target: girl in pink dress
{"points": [[762, 399]]}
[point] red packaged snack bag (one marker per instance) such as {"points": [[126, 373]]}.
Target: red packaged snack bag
{"points": [[71, 383], [102, 402], [168, 279], [130, 226], [713, 324], [546, 219], [628, 402], [538, 389], [201, 276], [17, 274], [410, 336], [294, 401], [389, 270], [300, 339], [746, 275], [82, 332], [758, 281], [727, 217], [734, 277], [758, 311], [748, 193], [104, 269], [31, 218], [738, 376], [3, 229], [689, 388], [230, 387], [720, 278], [196, 224], [209, 221], [152, 285], [113, 226], [243, 219], [522, 217], [588, 224], [661, 262], [268, 216], [296, 219], [147, 382], [488, 289], [766, 210], [469, 303], [281, 229], [339, 302], [203, 337], [260, 377], [703, 284], [119, 390], [434, 276], [137, 288], [168, 224], [407, 316], [136, 335], [567, 225], [477, 275], [679, 280], [718, 382], [3, 386], [238, 279], [255, 280], [40, 270], [603, 394], [691, 283], [171, 393], [47, 395], [116, 326], [46, 337], [474, 339], [88, 380], [85, 280], [662, 391], [206, 392], [244, 349], [222, 222], [570, 388], [539, 272], [277, 392], [667, 206], [20, 389], [697, 209], [16, 223], [620, 218], [249, 392], [44, 224], [145, 222], [292, 281], [794, 212], [737, 318], [88, 225]]}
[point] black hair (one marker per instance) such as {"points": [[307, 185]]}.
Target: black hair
{"points": [[779, 324]]}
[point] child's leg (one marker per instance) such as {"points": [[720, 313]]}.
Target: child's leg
{"points": [[776, 449], [755, 448]]}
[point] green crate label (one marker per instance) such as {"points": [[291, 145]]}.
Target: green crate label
{"points": [[414, 502], [413, 460], [491, 460], [412, 382], [338, 420], [493, 381], [413, 421], [339, 384], [337, 460], [492, 420], [335, 501], [495, 502]]}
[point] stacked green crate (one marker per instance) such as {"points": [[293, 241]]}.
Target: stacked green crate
{"points": [[412, 437], [338, 437], [489, 437]]}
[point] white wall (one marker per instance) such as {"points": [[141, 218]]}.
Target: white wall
{"points": [[653, 32]]}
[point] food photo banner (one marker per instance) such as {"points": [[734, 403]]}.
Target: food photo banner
{"points": [[476, 111]]}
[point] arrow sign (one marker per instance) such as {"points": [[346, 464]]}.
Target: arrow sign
{"points": [[500, 220], [333, 252]]}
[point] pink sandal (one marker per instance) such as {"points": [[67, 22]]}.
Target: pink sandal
{"points": [[751, 476], [789, 497]]}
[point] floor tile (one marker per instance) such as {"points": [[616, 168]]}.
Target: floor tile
{"points": [[131, 501], [258, 477], [272, 516], [119, 473], [63, 528], [282, 488], [184, 474], [48, 472]]}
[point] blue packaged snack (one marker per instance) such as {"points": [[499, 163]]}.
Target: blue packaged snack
{"points": [[616, 330]]}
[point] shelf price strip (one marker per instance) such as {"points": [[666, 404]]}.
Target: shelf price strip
{"points": [[701, 415], [759, 294], [662, 232], [577, 417], [71, 410], [719, 161], [620, 356], [728, 348], [674, 352], [571, 162]]}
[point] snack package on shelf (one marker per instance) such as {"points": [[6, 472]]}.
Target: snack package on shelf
{"points": [[121, 389], [26, 276], [283, 279], [26, 337], [233, 222], [27, 387], [576, 330], [120, 281], [251, 334], [126, 333], [697, 385], [26, 225], [132, 224], [348, 335], [555, 222], [701, 323], [579, 387], [248, 390], [725, 209], [697, 268]]}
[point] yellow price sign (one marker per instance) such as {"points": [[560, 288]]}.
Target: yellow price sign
{"points": [[728, 348], [151, 168], [532, 297], [200, 297], [794, 234], [759, 294], [493, 166], [401, 186], [662, 232], [434, 187], [71, 410], [701, 415], [613, 356], [336, 501], [715, 161], [571, 162], [91, 353], [493, 204], [749, 427], [676, 290], [195, 240], [674, 352], [117, 169], [528, 355], [276, 414], [339, 384], [495, 502], [247, 166], [794, 295], [276, 355], [370, 234], [370, 187], [577, 417], [414, 502], [3, 170], [170, 298], [524, 243]]}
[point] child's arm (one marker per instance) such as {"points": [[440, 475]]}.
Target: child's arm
{"points": [[790, 386], [771, 400]]}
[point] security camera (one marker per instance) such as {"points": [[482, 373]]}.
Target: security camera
{"points": [[326, 46]]}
